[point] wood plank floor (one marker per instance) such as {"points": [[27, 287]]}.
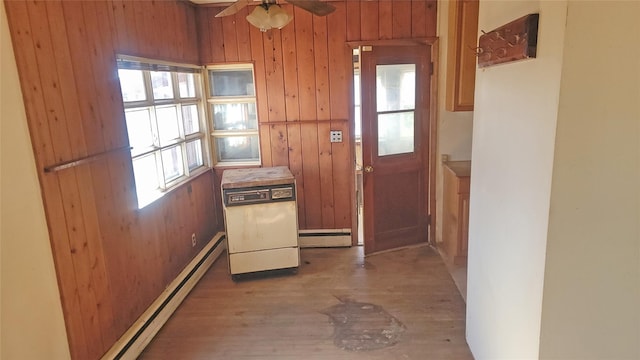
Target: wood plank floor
{"points": [[285, 317]]}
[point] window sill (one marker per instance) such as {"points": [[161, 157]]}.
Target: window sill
{"points": [[237, 164]]}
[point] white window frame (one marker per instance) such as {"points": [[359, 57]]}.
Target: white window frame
{"points": [[151, 105], [215, 133]]}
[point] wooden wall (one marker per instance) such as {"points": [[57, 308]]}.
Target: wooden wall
{"points": [[303, 79], [112, 259]]}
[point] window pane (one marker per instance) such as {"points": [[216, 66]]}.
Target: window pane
{"points": [[187, 85], [396, 87], [194, 154], [237, 148], [161, 85], [172, 163], [132, 85], [139, 129], [168, 128], [240, 116], [395, 133], [145, 172], [231, 82], [190, 119]]}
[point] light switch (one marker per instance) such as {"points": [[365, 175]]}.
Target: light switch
{"points": [[335, 136]]}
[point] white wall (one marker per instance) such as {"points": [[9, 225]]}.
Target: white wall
{"points": [[31, 322], [454, 128], [592, 278], [512, 159]]}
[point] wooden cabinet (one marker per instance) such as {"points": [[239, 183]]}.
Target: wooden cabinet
{"points": [[455, 220], [461, 60]]}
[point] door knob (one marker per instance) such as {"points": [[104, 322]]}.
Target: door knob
{"points": [[368, 169]]}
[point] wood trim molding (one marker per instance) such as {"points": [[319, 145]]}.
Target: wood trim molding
{"points": [[433, 141], [302, 122], [393, 42]]}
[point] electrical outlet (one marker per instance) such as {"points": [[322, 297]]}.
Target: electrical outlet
{"points": [[445, 158], [335, 136], [193, 240]]}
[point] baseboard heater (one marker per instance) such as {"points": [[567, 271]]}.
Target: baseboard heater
{"points": [[324, 238], [140, 334]]}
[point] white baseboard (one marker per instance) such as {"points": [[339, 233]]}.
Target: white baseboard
{"points": [[324, 238], [140, 334]]}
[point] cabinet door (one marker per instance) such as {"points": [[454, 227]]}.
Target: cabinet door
{"points": [[461, 59]]}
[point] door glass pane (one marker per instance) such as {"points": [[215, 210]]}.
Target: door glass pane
{"points": [[168, 128], [132, 85], [396, 87], [139, 129], [172, 163], [237, 148], [231, 82], [395, 133], [190, 119], [238, 116], [161, 84], [194, 154], [187, 85]]}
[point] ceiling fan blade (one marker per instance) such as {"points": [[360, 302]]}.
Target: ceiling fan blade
{"points": [[234, 8], [313, 6]]}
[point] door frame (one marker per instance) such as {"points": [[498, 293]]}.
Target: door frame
{"points": [[433, 44]]}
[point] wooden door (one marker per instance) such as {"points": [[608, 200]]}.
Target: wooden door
{"points": [[395, 137]]}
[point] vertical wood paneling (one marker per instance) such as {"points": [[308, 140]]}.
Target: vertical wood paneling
{"points": [[85, 230], [308, 111], [191, 53], [122, 31], [258, 56], [18, 15], [216, 35], [92, 32], [316, 90], [168, 15], [292, 105], [204, 36], [323, 112], [418, 18], [402, 19], [353, 20], [143, 29], [242, 34], [112, 259], [385, 19], [369, 14], [340, 92], [133, 38], [431, 17], [274, 77], [230, 40], [111, 262]]}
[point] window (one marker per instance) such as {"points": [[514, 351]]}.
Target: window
{"points": [[231, 104], [396, 101], [163, 110]]}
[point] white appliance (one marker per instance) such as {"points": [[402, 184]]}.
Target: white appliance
{"points": [[261, 219]]}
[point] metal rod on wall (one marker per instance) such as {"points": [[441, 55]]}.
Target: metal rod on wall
{"points": [[84, 160]]}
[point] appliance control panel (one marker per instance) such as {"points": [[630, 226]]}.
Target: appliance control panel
{"points": [[282, 193], [248, 196]]}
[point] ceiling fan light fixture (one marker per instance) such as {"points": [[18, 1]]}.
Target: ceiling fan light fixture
{"points": [[278, 17], [259, 18], [266, 17]]}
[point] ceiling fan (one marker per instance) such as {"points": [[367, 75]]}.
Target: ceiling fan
{"points": [[270, 15]]}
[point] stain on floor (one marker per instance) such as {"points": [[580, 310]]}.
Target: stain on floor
{"points": [[363, 326]]}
